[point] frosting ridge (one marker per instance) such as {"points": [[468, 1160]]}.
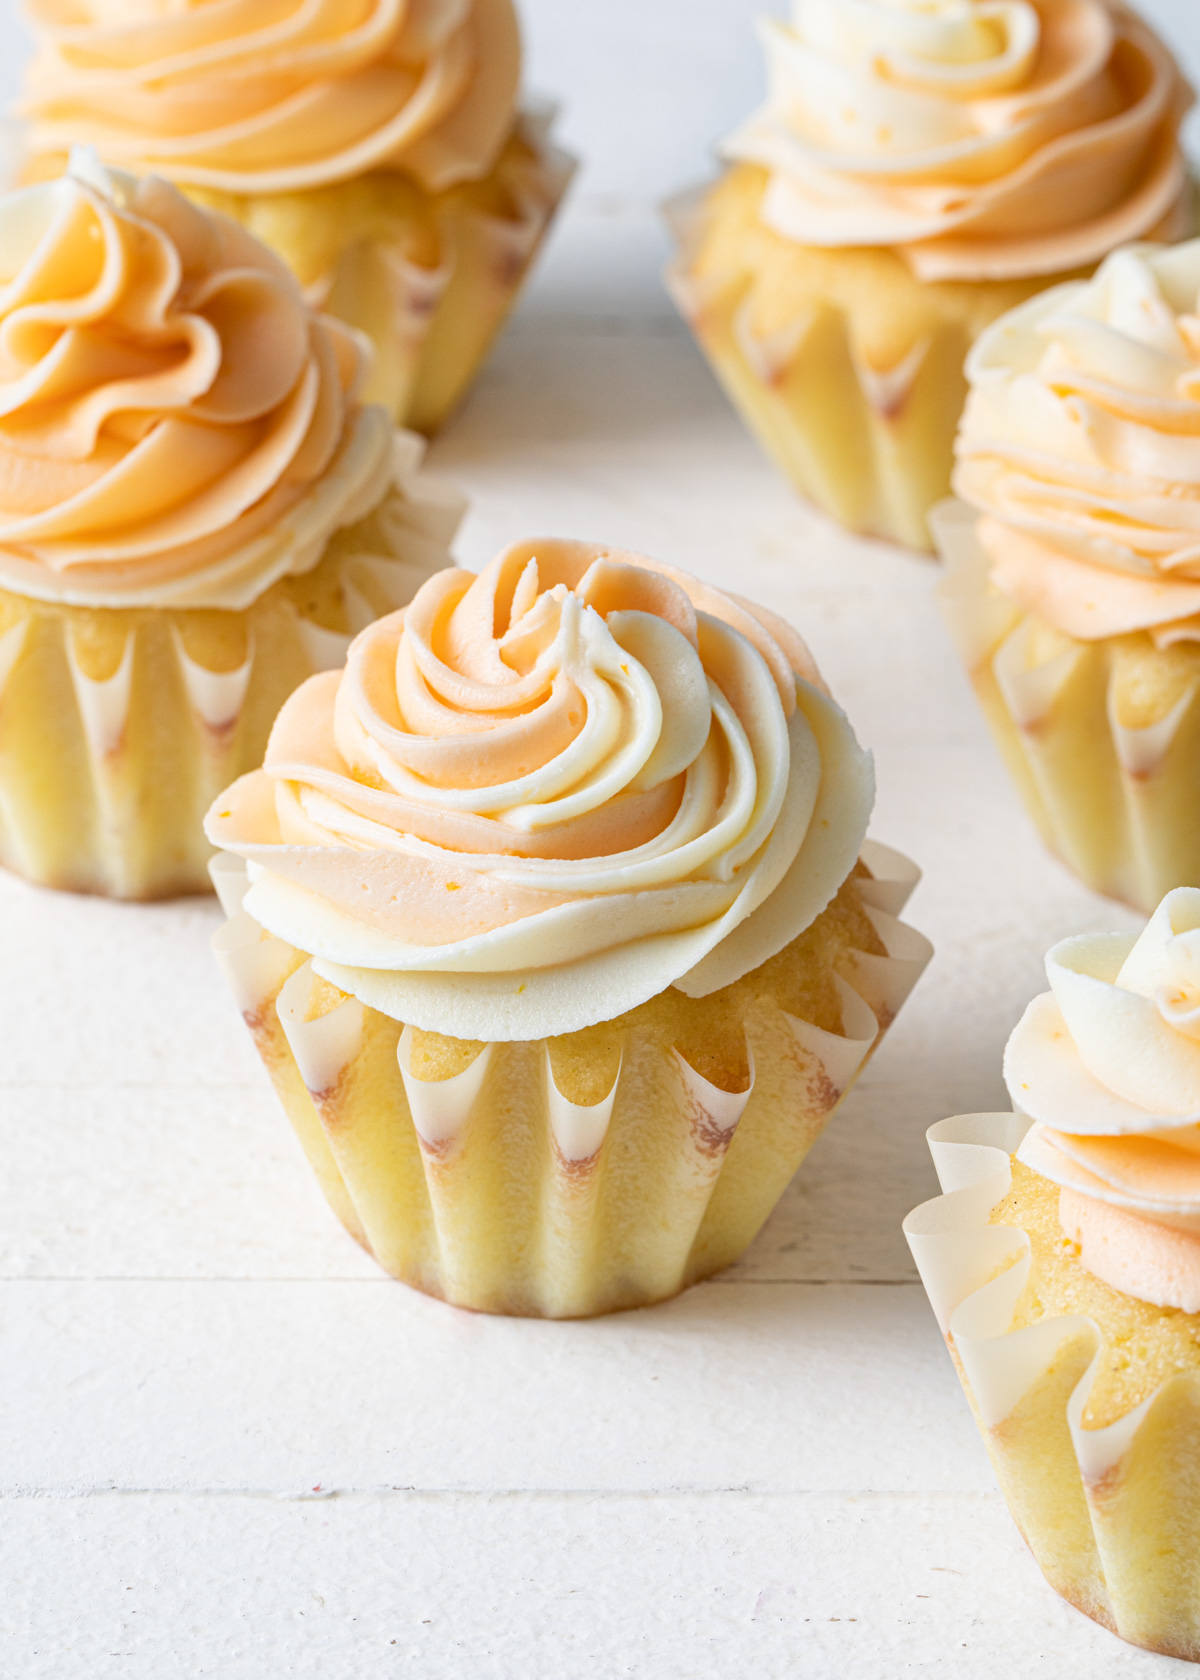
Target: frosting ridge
{"points": [[984, 139], [176, 426], [1107, 1065], [539, 796], [251, 97], [1080, 446]]}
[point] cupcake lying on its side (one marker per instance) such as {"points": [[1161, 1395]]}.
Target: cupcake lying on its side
{"points": [[919, 167], [1064, 1268], [557, 943], [196, 513], [378, 148], [1073, 589]]}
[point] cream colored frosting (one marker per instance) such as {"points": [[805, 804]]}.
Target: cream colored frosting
{"points": [[1080, 445], [985, 139], [537, 797], [1107, 1063], [177, 428], [259, 96]]}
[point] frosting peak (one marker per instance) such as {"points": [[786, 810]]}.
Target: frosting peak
{"points": [[537, 797], [1080, 443], [986, 139], [1108, 1066], [260, 96], [176, 427]]}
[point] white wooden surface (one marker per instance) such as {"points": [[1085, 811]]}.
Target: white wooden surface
{"points": [[228, 1447]]}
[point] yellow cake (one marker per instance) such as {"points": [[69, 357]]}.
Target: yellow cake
{"points": [[562, 940], [1073, 587], [1064, 1267], [196, 513], [913, 175], [379, 150]]}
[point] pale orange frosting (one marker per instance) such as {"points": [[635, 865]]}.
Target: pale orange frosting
{"points": [[258, 96], [1080, 446], [983, 139], [1107, 1063], [539, 796], [176, 426]]}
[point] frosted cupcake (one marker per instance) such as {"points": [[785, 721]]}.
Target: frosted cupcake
{"points": [[1073, 585], [377, 147], [1064, 1267], [918, 169], [196, 512], [562, 940]]}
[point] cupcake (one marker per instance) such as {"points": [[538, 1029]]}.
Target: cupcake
{"points": [[919, 168], [377, 147], [1073, 565], [562, 939], [196, 513], [1064, 1268]]}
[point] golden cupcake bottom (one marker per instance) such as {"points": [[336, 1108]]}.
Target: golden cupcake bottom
{"points": [[605, 1169], [847, 368], [119, 726], [1088, 1400], [430, 278], [1101, 738]]}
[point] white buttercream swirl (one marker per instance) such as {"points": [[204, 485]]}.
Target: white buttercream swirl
{"points": [[984, 139], [1107, 1063], [1080, 443], [538, 797], [267, 96]]}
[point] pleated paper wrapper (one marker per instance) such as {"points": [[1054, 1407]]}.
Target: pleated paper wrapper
{"points": [[492, 1190], [116, 735], [1115, 794], [870, 442], [432, 325], [1111, 1514]]}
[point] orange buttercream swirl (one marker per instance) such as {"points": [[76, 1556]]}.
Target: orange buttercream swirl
{"points": [[1080, 446], [1107, 1065], [578, 764], [176, 426], [258, 96], [984, 139]]}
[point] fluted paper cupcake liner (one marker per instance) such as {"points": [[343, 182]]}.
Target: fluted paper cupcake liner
{"points": [[1117, 800], [493, 1190], [120, 726], [1112, 1514], [870, 443]]}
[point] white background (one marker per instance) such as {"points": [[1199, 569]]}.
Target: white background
{"points": [[228, 1447]]}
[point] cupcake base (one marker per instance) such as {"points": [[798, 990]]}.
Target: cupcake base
{"points": [[847, 368], [1101, 738], [603, 1170], [1098, 1472]]}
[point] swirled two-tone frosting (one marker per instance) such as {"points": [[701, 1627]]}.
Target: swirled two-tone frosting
{"points": [[985, 139], [1080, 446], [1107, 1063], [253, 96], [177, 428], [539, 796]]}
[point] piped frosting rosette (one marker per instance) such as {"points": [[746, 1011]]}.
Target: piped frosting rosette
{"points": [[196, 511], [534, 803], [1073, 587], [377, 147], [983, 139], [1102, 1071]]}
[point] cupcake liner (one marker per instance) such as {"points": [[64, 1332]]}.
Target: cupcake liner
{"points": [[1112, 1514], [116, 732], [433, 325], [495, 1191], [1118, 803], [870, 443]]}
